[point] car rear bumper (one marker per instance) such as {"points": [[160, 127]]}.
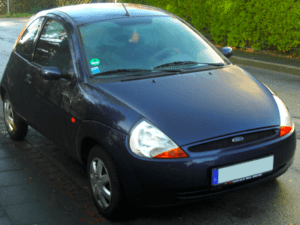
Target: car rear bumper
{"points": [[149, 182]]}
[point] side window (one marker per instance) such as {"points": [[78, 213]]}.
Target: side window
{"points": [[53, 47], [25, 44]]}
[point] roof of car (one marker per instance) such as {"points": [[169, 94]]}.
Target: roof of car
{"points": [[85, 13]]}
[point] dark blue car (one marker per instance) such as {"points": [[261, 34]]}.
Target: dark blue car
{"points": [[157, 114]]}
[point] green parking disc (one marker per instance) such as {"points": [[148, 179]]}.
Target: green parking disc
{"points": [[95, 62]]}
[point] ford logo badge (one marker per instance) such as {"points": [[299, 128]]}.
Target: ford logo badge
{"points": [[237, 139]]}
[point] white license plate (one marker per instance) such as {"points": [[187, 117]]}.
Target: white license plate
{"points": [[242, 171]]}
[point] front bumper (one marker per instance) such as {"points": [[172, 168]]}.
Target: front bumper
{"points": [[152, 182]]}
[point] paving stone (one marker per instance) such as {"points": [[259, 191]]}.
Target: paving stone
{"points": [[22, 193], [40, 159], [56, 176], [69, 221], [86, 201], [34, 156], [67, 203], [30, 213], [65, 181], [55, 222], [78, 194], [51, 148], [17, 145], [5, 153], [44, 165], [2, 213], [15, 177], [50, 170], [5, 221], [9, 147], [29, 151], [22, 145], [10, 164], [83, 217], [5, 140], [71, 187]]}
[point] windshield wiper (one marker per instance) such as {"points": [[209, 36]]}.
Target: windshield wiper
{"points": [[186, 63], [120, 71]]}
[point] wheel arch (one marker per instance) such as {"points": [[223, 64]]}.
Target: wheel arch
{"points": [[115, 143], [91, 133], [86, 145], [2, 92]]}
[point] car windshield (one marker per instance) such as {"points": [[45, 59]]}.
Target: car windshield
{"points": [[143, 43]]}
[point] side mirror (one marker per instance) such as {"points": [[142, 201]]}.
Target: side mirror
{"points": [[51, 73], [68, 74], [227, 52]]}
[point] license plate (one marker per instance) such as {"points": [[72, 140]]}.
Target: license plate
{"points": [[242, 171]]}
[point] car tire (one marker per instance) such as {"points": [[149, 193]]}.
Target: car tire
{"points": [[16, 127], [105, 185]]}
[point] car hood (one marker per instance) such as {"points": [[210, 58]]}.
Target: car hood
{"points": [[196, 106]]}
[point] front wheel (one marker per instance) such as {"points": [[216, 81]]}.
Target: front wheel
{"points": [[15, 126], [104, 183]]}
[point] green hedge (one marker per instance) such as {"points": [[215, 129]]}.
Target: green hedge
{"points": [[33, 6], [30, 6], [265, 24], [259, 24]]}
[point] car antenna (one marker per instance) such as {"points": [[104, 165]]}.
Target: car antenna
{"points": [[127, 13]]}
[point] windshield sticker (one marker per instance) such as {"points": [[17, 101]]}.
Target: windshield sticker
{"points": [[95, 62], [95, 70]]}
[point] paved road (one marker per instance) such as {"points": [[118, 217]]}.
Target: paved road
{"points": [[9, 31], [275, 202]]}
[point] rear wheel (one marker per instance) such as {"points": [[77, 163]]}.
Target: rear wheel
{"points": [[104, 183], [15, 126]]}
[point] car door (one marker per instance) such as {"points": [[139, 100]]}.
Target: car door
{"points": [[47, 100], [18, 63]]}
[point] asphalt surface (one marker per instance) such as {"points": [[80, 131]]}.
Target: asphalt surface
{"points": [[41, 184]]}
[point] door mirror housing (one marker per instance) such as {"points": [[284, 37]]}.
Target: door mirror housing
{"points": [[227, 52], [51, 73], [68, 75]]}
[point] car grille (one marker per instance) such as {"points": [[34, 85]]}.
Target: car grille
{"points": [[257, 138]]}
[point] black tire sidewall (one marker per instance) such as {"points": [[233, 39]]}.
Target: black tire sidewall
{"points": [[20, 128], [117, 195]]}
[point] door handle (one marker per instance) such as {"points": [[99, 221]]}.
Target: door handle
{"points": [[28, 79]]}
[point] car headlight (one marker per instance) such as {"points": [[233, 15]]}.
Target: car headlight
{"points": [[146, 140], [286, 123]]}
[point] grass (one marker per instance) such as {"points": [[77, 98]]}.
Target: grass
{"points": [[16, 15]]}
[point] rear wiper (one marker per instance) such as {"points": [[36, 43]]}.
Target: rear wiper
{"points": [[120, 71], [187, 62]]}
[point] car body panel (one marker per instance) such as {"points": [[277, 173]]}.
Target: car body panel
{"points": [[162, 179], [195, 106], [13, 79], [191, 108], [106, 11]]}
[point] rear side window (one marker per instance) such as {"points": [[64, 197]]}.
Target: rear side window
{"points": [[53, 47], [25, 44]]}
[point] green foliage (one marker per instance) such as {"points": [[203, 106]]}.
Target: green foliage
{"points": [[35, 10], [8, 15], [65, 2], [27, 6], [259, 24]]}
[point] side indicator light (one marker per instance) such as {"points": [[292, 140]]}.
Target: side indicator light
{"points": [[174, 153], [73, 120], [284, 130]]}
